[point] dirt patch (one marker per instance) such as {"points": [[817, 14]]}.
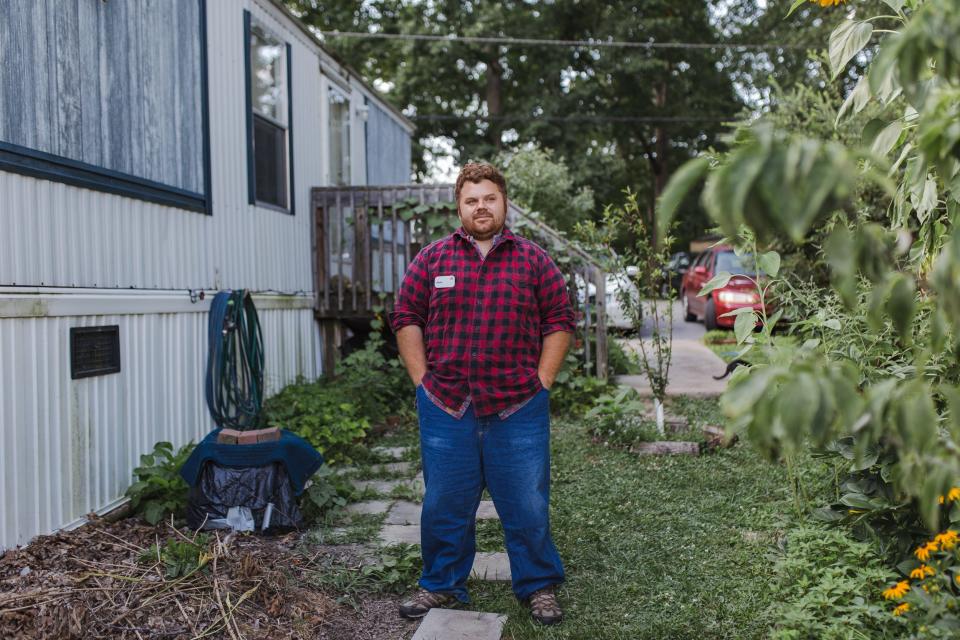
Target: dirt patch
{"points": [[101, 581]]}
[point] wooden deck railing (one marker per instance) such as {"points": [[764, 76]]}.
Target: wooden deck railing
{"points": [[364, 238]]}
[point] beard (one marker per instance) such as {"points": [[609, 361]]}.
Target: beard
{"points": [[488, 225]]}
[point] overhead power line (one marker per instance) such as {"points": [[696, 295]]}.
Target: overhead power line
{"points": [[583, 118], [536, 42]]}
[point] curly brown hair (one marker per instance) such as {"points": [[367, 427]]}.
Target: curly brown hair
{"points": [[477, 172]]}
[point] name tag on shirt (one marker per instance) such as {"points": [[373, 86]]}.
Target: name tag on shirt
{"points": [[444, 282]]}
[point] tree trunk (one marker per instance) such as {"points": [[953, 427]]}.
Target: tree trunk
{"points": [[660, 166], [494, 99]]}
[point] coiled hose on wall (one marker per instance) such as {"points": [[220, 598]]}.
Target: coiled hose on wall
{"points": [[234, 384]]}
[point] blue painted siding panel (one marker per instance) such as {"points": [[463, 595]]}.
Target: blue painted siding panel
{"points": [[388, 148], [112, 84]]}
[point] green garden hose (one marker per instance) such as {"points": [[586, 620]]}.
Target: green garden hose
{"points": [[234, 384]]}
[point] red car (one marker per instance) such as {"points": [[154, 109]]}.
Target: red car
{"points": [[739, 292]]}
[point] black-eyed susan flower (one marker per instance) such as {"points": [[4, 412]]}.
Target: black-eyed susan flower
{"points": [[901, 609], [897, 591], [924, 550], [828, 3], [954, 494], [922, 572], [947, 540]]}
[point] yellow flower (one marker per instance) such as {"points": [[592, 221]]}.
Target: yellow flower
{"points": [[940, 499], [948, 539], [897, 591], [827, 3], [923, 551], [954, 494], [922, 572], [901, 609]]}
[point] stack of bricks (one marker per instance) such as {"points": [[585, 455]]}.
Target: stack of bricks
{"points": [[232, 436]]}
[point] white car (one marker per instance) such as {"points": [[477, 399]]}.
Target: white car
{"points": [[617, 316]]}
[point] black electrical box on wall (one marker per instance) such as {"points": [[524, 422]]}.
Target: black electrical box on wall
{"points": [[94, 351]]}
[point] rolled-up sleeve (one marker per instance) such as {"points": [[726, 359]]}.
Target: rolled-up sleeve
{"points": [[556, 312], [413, 300]]}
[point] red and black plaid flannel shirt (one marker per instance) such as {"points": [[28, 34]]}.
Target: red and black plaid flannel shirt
{"points": [[483, 334]]}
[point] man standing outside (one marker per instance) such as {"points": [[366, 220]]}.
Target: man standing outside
{"points": [[483, 322]]}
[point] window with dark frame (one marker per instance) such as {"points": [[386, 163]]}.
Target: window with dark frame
{"points": [[269, 105]]}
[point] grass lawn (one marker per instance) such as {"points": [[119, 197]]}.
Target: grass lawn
{"points": [[655, 547]]}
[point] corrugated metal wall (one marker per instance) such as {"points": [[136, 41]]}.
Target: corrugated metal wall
{"points": [[388, 148], [69, 446]]}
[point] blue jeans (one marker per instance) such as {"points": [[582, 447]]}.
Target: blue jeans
{"points": [[511, 458]]}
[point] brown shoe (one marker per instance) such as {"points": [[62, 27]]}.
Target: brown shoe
{"points": [[544, 607], [421, 603]]}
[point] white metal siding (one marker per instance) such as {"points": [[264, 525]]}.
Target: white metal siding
{"points": [[69, 446]]}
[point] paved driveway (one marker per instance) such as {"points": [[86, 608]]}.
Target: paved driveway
{"points": [[692, 365]]}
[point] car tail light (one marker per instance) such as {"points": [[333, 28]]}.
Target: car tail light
{"points": [[738, 297]]}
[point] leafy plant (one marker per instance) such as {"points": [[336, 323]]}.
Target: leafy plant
{"points": [[828, 587], [905, 259], [639, 268], [326, 493], [930, 596], [179, 556], [396, 568], [574, 392], [618, 418], [868, 503], [334, 414], [158, 489]]}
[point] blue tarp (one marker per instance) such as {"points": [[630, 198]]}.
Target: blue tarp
{"points": [[296, 454]]}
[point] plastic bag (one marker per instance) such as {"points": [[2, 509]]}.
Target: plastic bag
{"points": [[243, 499]]}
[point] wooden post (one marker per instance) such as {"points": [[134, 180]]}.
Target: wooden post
{"points": [[601, 355], [361, 252], [319, 253], [329, 336], [586, 318]]}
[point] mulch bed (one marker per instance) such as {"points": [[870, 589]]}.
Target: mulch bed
{"points": [[95, 581]]}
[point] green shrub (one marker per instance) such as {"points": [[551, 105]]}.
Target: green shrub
{"points": [[334, 414], [619, 362], [319, 413], [327, 493], [573, 392], [618, 418], [828, 586], [158, 489]]}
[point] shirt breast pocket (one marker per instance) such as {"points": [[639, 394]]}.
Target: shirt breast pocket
{"points": [[521, 292]]}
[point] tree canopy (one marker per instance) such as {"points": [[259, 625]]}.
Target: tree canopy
{"points": [[618, 117]]}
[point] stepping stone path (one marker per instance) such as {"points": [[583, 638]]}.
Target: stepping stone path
{"points": [[448, 624], [402, 526]]}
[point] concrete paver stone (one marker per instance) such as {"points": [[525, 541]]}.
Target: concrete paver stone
{"points": [[368, 507], [404, 513], [380, 486], [494, 567], [487, 511], [400, 534], [450, 624], [392, 467], [391, 452]]}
